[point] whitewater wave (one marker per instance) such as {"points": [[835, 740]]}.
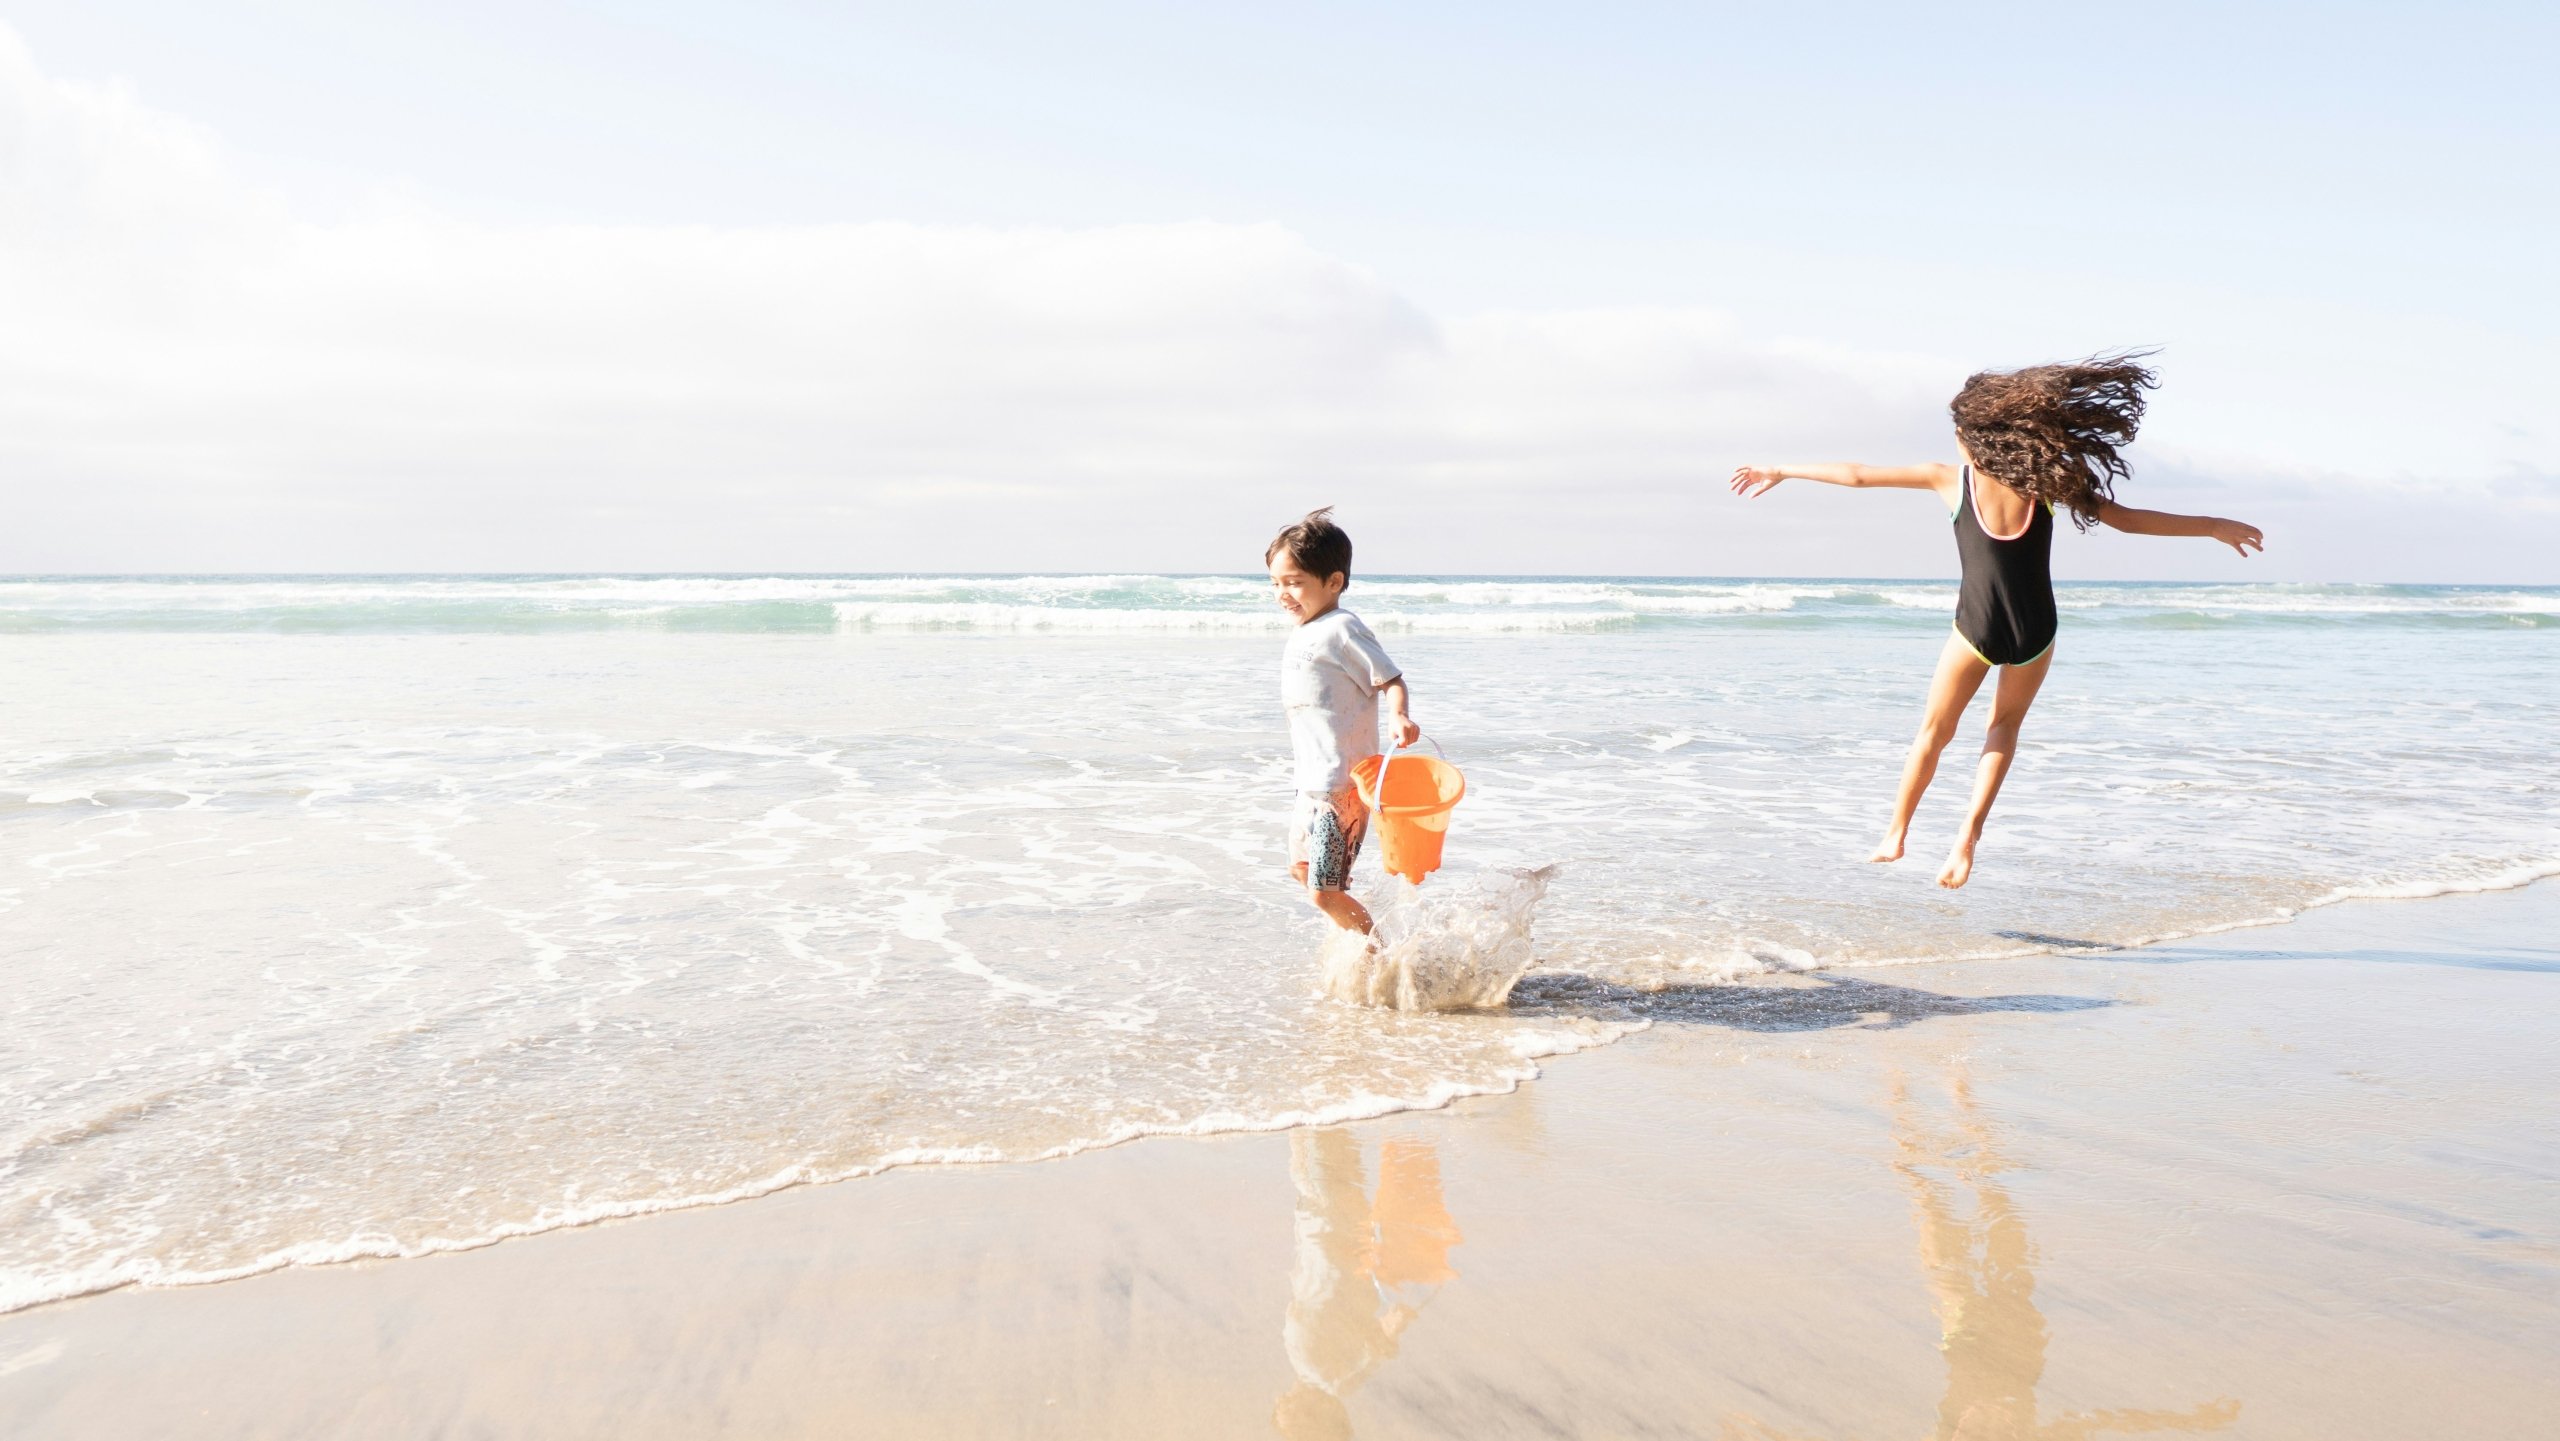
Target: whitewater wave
{"points": [[1032, 604], [1033, 619]]}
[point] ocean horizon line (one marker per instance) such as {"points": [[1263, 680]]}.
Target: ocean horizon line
{"points": [[1637, 577]]}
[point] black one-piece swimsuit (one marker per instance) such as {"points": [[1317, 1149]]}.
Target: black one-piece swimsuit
{"points": [[2005, 609]]}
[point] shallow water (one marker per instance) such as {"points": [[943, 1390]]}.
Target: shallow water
{"points": [[378, 917]]}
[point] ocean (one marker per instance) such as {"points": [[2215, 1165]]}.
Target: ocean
{"points": [[378, 916]]}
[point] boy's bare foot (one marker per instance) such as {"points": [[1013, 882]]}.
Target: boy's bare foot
{"points": [[1888, 849], [1959, 867]]}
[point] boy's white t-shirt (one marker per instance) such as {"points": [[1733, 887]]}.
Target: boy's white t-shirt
{"points": [[1330, 673]]}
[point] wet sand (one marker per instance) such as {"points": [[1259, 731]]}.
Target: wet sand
{"points": [[2292, 1182]]}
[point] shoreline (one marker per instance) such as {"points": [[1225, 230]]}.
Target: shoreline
{"points": [[2200, 1156], [1441, 1096]]}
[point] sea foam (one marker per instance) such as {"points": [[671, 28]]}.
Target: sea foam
{"points": [[1170, 604]]}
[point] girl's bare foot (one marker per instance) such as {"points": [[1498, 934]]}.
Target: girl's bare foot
{"points": [[1888, 849], [1959, 867]]}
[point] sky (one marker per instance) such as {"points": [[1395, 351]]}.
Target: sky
{"points": [[1124, 286]]}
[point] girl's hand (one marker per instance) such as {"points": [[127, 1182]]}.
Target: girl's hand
{"points": [[1749, 481], [2242, 538], [1406, 731]]}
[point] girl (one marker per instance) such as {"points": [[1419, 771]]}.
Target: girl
{"points": [[2031, 440]]}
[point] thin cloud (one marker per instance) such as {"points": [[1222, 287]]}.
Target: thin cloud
{"points": [[197, 379]]}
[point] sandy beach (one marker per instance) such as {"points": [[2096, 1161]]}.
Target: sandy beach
{"points": [[2287, 1182]]}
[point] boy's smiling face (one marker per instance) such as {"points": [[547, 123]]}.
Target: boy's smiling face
{"points": [[1302, 593]]}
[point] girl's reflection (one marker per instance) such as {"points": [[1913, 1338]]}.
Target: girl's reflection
{"points": [[1980, 1265], [1365, 1268]]}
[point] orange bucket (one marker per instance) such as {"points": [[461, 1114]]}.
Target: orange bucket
{"points": [[1413, 811]]}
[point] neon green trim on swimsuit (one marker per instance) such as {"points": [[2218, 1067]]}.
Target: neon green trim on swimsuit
{"points": [[1969, 645], [1995, 665]]}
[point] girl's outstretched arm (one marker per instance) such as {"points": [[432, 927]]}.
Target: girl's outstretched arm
{"points": [[1750, 480], [2240, 537]]}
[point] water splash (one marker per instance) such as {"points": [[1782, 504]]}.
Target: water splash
{"points": [[1460, 946]]}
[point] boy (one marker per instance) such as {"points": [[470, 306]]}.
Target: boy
{"points": [[1331, 675]]}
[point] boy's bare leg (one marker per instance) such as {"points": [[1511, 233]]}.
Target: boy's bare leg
{"points": [[1960, 674], [1337, 906], [2018, 687], [1342, 910]]}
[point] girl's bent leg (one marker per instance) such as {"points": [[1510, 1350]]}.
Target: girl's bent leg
{"points": [[2018, 687], [1960, 674]]}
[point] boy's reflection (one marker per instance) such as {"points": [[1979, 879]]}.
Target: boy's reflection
{"points": [[1365, 1267]]}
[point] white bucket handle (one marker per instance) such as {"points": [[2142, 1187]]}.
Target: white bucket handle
{"points": [[1377, 799]]}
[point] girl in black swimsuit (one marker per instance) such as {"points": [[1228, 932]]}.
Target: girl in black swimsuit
{"points": [[2033, 442]]}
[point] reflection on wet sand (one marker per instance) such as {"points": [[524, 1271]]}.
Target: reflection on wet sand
{"points": [[1982, 1281], [1365, 1268], [1367, 1263]]}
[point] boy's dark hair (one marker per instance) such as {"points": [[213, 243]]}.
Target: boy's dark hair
{"points": [[2052, 431], [1318, 545]]}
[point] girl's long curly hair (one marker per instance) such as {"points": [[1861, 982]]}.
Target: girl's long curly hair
{"points": [[2055, 431]]}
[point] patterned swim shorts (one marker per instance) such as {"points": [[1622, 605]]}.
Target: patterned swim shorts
{"points": [[1326, 835]]}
